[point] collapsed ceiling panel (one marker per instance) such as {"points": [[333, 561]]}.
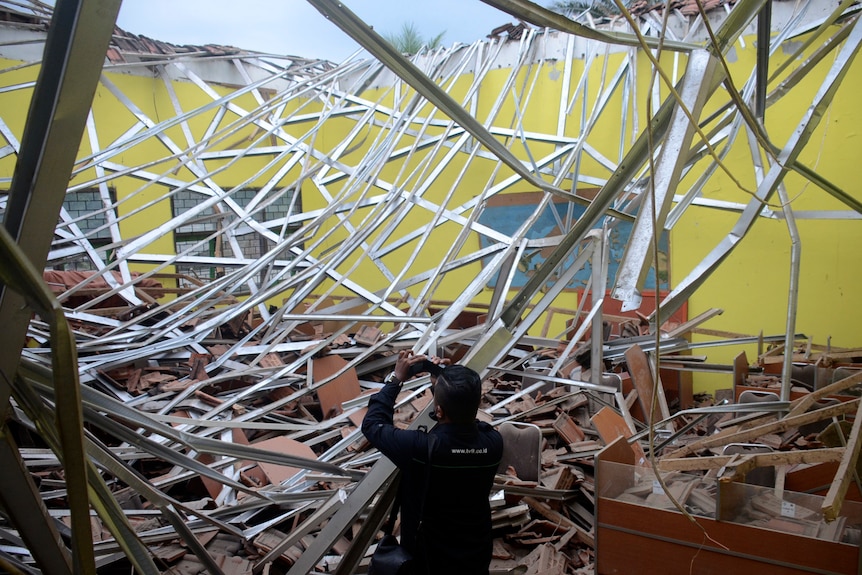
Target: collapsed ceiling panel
{"points": [[235, 217]]}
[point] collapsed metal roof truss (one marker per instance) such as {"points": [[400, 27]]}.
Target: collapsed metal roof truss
{"points": [[403, 153]]}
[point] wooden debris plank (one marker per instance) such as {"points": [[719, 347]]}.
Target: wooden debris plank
{"points": [[642, 379], [778, 350], [649, 388], [565, 539], [610, 425], [802, 404], [547, 512], [831, 357], [677, 493], [631, 398], [835, 497], [740, 371], [733, 424], [767, 502], [686, 327], [723, 438], [779, 359], [759, 459], [780, 478], [624, 411], [737, 467]]}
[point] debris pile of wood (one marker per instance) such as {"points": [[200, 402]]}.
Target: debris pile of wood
{"points": [[229, 455], [232, 456], [777, 450], [739, 484]]}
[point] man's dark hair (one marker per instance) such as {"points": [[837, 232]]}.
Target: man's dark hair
{"points": [[458, 391]]}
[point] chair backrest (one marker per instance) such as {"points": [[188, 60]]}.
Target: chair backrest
{"points": [[751, 396], [522, 449]]}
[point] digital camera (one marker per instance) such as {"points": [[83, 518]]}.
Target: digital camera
{"points": [[425, 366]]}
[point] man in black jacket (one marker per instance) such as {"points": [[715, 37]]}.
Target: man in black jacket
{"points": [[453, 535]]}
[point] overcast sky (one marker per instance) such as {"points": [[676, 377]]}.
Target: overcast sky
{"points": [[296, 28]]}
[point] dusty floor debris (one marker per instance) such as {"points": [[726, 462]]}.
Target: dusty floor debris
{"points": [[257, 514], [286, 262]]}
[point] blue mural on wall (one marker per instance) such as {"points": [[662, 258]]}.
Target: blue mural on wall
{"points": [[508, 218]]}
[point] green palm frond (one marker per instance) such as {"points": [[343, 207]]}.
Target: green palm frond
{"points": [[596, 8], [410, 40]]}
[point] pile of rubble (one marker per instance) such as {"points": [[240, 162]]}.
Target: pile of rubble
{"points": [[232, 457]]}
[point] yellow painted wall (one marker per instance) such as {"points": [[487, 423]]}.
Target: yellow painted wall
{"points": [[751, 285]]}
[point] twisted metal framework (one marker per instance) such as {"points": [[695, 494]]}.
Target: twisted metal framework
{"points": [[384, 147]]}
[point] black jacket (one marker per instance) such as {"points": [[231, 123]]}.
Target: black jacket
{"points": [[455, 535]]}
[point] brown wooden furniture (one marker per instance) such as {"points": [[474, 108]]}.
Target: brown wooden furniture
{"points": [[635, 538]]}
